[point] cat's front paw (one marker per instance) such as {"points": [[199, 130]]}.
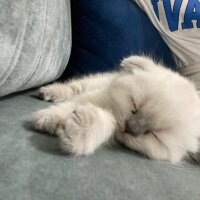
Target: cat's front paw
{"points": [[55, 93], [46, 121], [75, 132]]}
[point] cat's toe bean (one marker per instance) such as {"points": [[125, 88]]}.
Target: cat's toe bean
{"points": [[83, 115], [46, 94], [74, 132]]}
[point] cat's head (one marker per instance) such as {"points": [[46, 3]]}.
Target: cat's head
{"points": [[162, 116], [142, 107]]}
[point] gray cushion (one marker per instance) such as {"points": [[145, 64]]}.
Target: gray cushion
{"points": [[32, 167], [35, 42]]}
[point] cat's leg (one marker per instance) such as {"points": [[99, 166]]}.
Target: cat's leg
{"points": [[47, 120], [134, 63], [148, 144], [85, 129], [59, 92]]}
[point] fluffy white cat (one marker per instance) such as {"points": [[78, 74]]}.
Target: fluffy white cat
{"points": [[145, 106]]}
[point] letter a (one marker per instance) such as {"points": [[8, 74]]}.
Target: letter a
{"points": [[192, 13]]}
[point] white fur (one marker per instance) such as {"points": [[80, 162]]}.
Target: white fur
{"points": [[97, 107]]}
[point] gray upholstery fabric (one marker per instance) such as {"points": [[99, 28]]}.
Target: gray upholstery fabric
{"points": [[35, 42], [32, 166]]}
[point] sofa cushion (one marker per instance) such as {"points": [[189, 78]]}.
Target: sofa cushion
{"points": [[35, 42], [106, 31], [33, 167]]}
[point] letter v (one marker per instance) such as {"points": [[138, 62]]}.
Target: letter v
{"points": [[172, 14]]}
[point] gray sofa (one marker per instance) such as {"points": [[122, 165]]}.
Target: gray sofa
{"points": [[32, 166], [35, 41]]}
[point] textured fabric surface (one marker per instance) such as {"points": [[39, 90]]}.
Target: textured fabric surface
{"points": [[106, 31], [35, 42], [32, 166]]}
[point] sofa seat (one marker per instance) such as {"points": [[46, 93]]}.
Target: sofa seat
{"points": [[32, 166]]}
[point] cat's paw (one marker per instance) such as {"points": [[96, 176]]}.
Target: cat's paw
{"points": [[46, 121], [75, 132], [134, 63], [55, 93]]}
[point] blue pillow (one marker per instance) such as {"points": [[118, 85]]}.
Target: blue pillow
{"points": [[105, 31]]}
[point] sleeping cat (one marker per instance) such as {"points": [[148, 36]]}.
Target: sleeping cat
{"points": [[145, 106]]}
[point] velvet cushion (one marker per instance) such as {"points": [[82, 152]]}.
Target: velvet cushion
{"points": [[103, 32], [35, 42], [33, 167]]}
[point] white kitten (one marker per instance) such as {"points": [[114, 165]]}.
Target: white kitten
{"points": [[145, 106]]}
